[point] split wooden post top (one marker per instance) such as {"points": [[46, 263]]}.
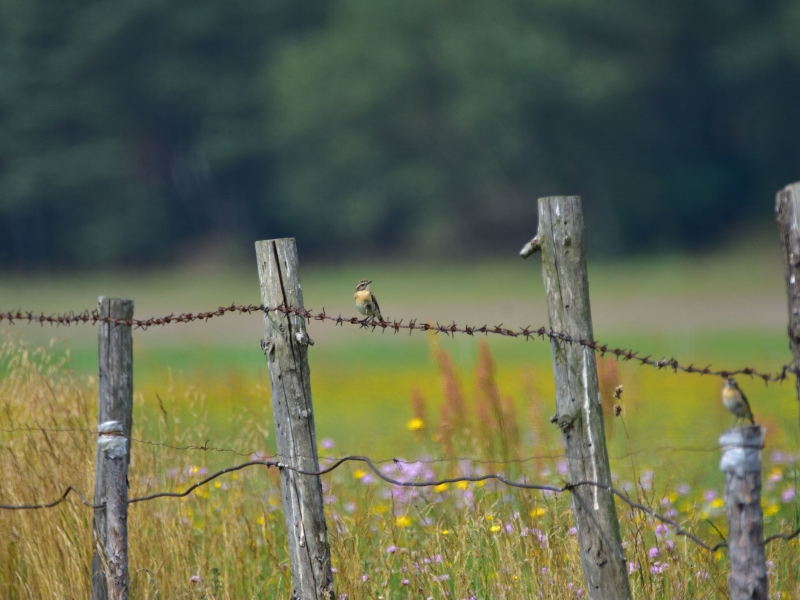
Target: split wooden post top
{"points": [[285, 345], [560, 238]]}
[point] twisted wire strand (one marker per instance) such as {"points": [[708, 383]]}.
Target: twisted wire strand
{"points": [[567, 487], [527, 333], [261, 454]]}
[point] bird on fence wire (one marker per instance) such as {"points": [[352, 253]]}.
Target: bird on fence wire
{"points": [[735, 401], [366, 303]]}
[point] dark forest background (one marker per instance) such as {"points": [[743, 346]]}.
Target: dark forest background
{"points": [[132, 133]]}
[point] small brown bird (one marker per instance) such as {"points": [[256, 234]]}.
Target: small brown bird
{"points": [[735, 401], [366, 303]]}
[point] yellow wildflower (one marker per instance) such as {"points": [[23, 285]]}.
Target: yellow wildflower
{"points": [[260, 520], [402, 521], [415, 424], [489, 517], [717, 503], [442, 487], [462, 485], [445, 532], [359, 473], [495, 528], [771, 509], [538, 511]]}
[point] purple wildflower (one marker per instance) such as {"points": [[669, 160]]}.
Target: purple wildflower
{"points": [[658, 568]]}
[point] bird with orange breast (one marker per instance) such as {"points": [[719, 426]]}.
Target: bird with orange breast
{"points": [[735, 401], [366, 303]]}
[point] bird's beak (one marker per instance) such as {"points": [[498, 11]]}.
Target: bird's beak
{"points": [[369, 282]]}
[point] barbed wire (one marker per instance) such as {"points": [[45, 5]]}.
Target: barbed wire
{"points": [[566, 487], [527, 333]]}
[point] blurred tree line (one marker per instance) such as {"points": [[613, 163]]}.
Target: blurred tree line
{"points": [[130, 131]]}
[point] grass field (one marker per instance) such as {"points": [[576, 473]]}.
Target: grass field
{"points": [[212, 384]]}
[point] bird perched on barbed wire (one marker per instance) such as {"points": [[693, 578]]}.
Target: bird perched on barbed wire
{"points": [[735, 401], [366, 303]]}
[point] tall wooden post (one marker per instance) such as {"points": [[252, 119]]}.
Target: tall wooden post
{"points": [[285, 345], [741, 463], [787, 211], [115, 349], [561, 240]]}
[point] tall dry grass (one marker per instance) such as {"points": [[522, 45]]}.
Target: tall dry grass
{"points": [[226, 540]]}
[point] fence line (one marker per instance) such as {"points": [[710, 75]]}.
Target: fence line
{"points": [[431, 461], [93, 318], [567, 487], [560, 238]]}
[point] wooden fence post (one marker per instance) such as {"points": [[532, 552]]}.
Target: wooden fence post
{"points": [[285, 345], [115, 349], [560, 238], [741, 463], [114, 446], [787, 212]]}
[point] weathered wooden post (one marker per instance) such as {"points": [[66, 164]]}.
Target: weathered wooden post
{"points": [[114, 446], [115, 357], [787, 211], [561, 240], [741, 463], [285, 345]]}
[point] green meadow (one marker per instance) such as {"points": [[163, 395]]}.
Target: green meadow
{"points": [[387, 396], [724, 309]]}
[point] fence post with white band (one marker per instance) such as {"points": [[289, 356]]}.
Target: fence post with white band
{"points": [[110, 579], [741, 463]]}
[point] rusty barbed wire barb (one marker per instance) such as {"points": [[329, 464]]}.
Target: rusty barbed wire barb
{"points": [[86, 316]]}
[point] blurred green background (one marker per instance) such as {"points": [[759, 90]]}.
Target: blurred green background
{"points": [[145, 146], [152, 133]]}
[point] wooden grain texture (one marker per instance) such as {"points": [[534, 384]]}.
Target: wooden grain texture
{"points": [[115, 471], [747, 579], [115, 360], [286, 345], [579, 414], [116, 547], [787, 212]]}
